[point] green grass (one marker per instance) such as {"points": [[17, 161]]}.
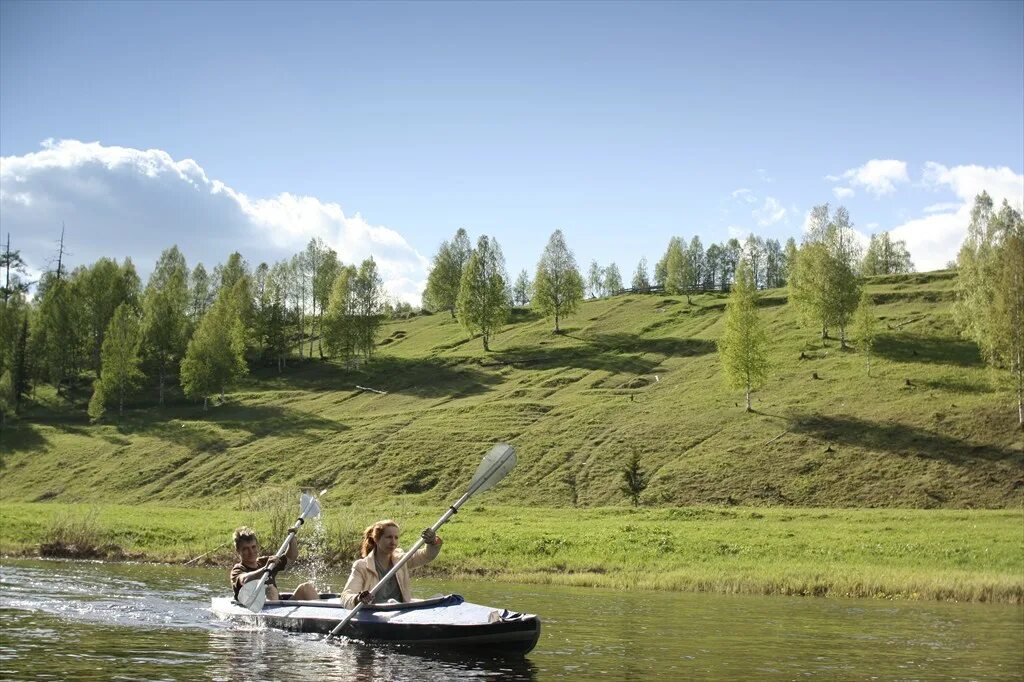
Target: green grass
{"points": [[634, 373], [963, 555]]}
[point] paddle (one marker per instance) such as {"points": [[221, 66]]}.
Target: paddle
{"points": [[252, 594], [494, 467]]}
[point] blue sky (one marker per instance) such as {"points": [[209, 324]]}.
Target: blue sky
{"points": [[385, 127]]}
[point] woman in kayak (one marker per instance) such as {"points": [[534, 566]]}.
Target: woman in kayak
{"points": [[380, 552]]}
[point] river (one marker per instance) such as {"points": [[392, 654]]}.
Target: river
{"points": [[62, 620]]}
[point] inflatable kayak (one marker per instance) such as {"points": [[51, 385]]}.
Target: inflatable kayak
{"points": [[444, 621]]}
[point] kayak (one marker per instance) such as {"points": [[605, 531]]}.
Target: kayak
{"points": [[443, 621]]}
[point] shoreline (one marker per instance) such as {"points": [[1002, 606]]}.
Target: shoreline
{"points": [[899, 554]]}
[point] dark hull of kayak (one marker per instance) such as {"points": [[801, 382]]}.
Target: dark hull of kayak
{"points": [[501, 632]]}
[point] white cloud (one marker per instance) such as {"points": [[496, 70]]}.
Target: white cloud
{"points": [[933, 240], [941, 208], [769, 213], [878, 176], [969, 181], [119, 201], [744, 194], [737, 232], [843, 192]]}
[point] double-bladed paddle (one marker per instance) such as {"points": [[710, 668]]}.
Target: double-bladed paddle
{"points": [[494, 467], [252, 594]]}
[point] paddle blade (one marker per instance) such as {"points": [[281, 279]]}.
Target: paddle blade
{"points": [[252, 595], [497, 463], [309, 506]]}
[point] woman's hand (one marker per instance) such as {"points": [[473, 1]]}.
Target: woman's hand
{"points": [[430, 537], [365, 597]]}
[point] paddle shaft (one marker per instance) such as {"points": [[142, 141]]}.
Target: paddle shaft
{"points": [[478, 481], [284, 545]]}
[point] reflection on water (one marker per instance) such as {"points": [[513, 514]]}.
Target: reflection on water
{"points": [[258, 654], [76, 620]]}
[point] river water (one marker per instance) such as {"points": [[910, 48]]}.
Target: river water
{"points": [[92, 621]]}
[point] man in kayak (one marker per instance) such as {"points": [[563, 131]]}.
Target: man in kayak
{"points": [[251, 565], [379, 553]]}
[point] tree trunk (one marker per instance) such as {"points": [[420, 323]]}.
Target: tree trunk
{"points": [[749, 408], [205, 399], [556, 320], [120, 403], [162, 385]]}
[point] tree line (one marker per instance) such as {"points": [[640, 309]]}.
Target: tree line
{"points": [[203, 330]]}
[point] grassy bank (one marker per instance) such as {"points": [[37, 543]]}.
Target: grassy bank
{"points": [[963, 555]]}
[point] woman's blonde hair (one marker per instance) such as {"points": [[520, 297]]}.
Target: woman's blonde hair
{"points": [[372, 535]]}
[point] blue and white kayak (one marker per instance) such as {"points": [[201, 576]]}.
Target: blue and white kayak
{"points": [[443, 621]]}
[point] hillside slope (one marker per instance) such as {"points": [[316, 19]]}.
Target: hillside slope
{"points": [[634, 373]]}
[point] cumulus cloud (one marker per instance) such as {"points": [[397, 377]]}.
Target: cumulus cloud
{"points": [[878, 176], [843, 192], [770, 212], [934, 239], [119, 201]]}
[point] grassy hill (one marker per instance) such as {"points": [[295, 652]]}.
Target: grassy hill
{"points": [[633, 373]]}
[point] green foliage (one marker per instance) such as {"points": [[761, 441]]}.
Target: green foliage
{"points": [[886, 257], [323, 281], [522, 290], [105, 286], [368, 301], [595, 280], [823, 283], [216, 353], [634, 479], [12, 271], [612, 279], [558, 285], [743, 346], [445, 276], [339, 333], [165, 317], [641, 281], [990, 290], [61, 338], [678, 269], [200, 295], [120, 355], [97, 403], [1008, 315], [7, 401], [865, 327], [484, 304]]}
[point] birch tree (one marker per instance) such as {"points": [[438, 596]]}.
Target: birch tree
{"points": [[483, 304], [641, 280], [865, 327], [558, 285], [120, 356], [743, 346], [521, 290]]}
